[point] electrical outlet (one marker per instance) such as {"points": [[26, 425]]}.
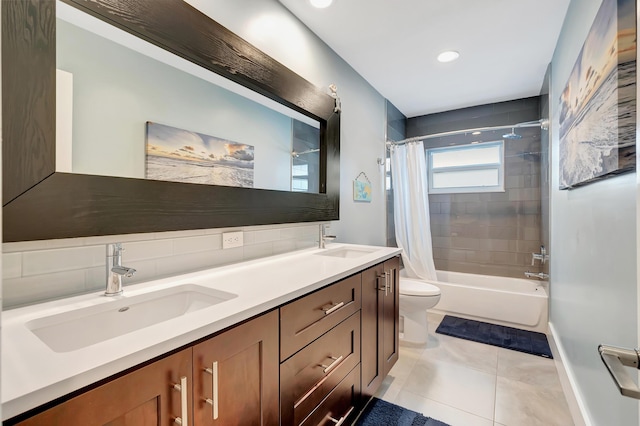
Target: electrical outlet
{"points": [[232, 239]]}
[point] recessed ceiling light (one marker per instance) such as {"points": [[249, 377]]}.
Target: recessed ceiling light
{"points": [[448, 56], [476, 133], [321, 4]]}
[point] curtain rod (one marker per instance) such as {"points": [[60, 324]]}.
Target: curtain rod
{"points": [[538, 123]]}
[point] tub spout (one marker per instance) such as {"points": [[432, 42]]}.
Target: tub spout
{"points": [[539, 275]]}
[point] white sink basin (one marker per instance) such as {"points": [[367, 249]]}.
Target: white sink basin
{"points": [[83, 327], [346, 252]]}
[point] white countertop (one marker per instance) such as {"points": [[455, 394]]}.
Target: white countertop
{"points": [[33, 374]]}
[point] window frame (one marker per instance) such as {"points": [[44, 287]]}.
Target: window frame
{"points": [[499, 166]]}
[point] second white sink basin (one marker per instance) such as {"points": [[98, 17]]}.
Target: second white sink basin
{"points": [[346, 252], [83, 327]]}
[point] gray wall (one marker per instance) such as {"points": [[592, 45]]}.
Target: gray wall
{"points": [[488, 233], [593, 255]]}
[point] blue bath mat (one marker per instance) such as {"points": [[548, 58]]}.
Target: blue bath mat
{"points": [[380, 412], [529, 342]]}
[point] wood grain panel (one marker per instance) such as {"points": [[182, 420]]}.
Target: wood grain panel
{"points": [[28, 94], [127, 400], [372, 330], [304, 320], [189, 33]]}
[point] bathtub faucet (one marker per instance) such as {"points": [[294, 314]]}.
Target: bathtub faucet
{"points": [[539, 275], [542, 256]]}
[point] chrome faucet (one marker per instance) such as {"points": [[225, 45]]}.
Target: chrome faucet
{"points": [[542, 256], [115, 270], [538, 275], [322, 238]]}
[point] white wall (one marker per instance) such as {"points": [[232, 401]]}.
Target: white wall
{"points": [[593, 256], [269, 26]]}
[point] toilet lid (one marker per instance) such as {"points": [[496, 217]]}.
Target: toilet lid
{"points": [[410, 287]]}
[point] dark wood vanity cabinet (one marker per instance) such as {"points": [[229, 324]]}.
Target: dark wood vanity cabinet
{"points": [[235, 375], [314, 361], [380, 322], [144, 397], [242, 366]]}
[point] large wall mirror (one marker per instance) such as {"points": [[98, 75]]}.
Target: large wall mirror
{"points": [[127, 117]]}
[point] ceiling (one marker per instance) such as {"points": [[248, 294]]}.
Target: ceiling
{"points": [[505, 47]]}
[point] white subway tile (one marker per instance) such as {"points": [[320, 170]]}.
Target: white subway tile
{"points": [[185, 263], [107, 239], [305, 244], [179, 234], [49, 261], [197, 244], [249, 237], [144, 250], [284, 246], [267, 236], [257, 251], [23, 246], [225, 257], [30, 290], [287, 233], [11, 265]]}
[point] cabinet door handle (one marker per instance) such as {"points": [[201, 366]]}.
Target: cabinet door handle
{"points": [[214, 386], [182, 387], [334, 308], [335, 362], [379, 277], [341, 420]]}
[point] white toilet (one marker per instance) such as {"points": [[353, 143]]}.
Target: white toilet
{"points": [[416, 297]]}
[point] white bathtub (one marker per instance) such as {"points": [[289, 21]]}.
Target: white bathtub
{"points": [[514, 302]]}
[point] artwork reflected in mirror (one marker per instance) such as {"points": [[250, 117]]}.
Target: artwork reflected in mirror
{"points": [[180, 155], [116, 84]]}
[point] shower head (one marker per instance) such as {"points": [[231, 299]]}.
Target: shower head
{"points": [[512, 135]]}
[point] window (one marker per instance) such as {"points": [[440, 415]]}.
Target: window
{"points": [[300, 178], [466, 168]]}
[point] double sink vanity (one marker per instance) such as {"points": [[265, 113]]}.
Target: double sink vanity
{"points": [[299, 338]]}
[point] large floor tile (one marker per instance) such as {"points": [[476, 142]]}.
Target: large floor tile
{"points": [[523, 404], [464, 352], [455, 385], [438, 411], [527, 368]]}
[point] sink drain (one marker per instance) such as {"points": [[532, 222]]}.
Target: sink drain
{"points": [[125, 309]]}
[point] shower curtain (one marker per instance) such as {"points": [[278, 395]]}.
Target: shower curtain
{"points": [[411, 209]]}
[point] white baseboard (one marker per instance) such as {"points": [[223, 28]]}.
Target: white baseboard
{"points": [[576, 404]]}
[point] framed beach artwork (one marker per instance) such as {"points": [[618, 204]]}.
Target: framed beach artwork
{"points": [[597, 111], [179, 155]]}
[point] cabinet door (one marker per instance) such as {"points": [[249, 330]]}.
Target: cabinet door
{"points": [[144, 397], [372, 337], [391, 315], [236, 375]]}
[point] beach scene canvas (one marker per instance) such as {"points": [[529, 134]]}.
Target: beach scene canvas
{"points": [[178, 155], [598, 104]]}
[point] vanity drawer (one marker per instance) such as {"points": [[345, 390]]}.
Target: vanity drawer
{"points": [[304, 320], [310, 375], [341, 405]]}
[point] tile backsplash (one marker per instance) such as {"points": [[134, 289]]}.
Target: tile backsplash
{"points": [[37, 271]]}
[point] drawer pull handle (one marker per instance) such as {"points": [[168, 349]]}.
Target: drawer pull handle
{"points": [[334, 308], [214, 386], [182, 388], [341, 419], [335, 362]]}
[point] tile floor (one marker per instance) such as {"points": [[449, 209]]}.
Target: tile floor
{"points": [[465, 383]]}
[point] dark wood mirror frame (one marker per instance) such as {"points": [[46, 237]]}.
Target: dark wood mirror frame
{"points": [[40, 203]]}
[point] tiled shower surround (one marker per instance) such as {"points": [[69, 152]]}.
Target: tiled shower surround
{"points": [[488, 233], [41, 270]]}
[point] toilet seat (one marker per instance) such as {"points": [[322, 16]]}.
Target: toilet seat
{"points": [[409, 287]]}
